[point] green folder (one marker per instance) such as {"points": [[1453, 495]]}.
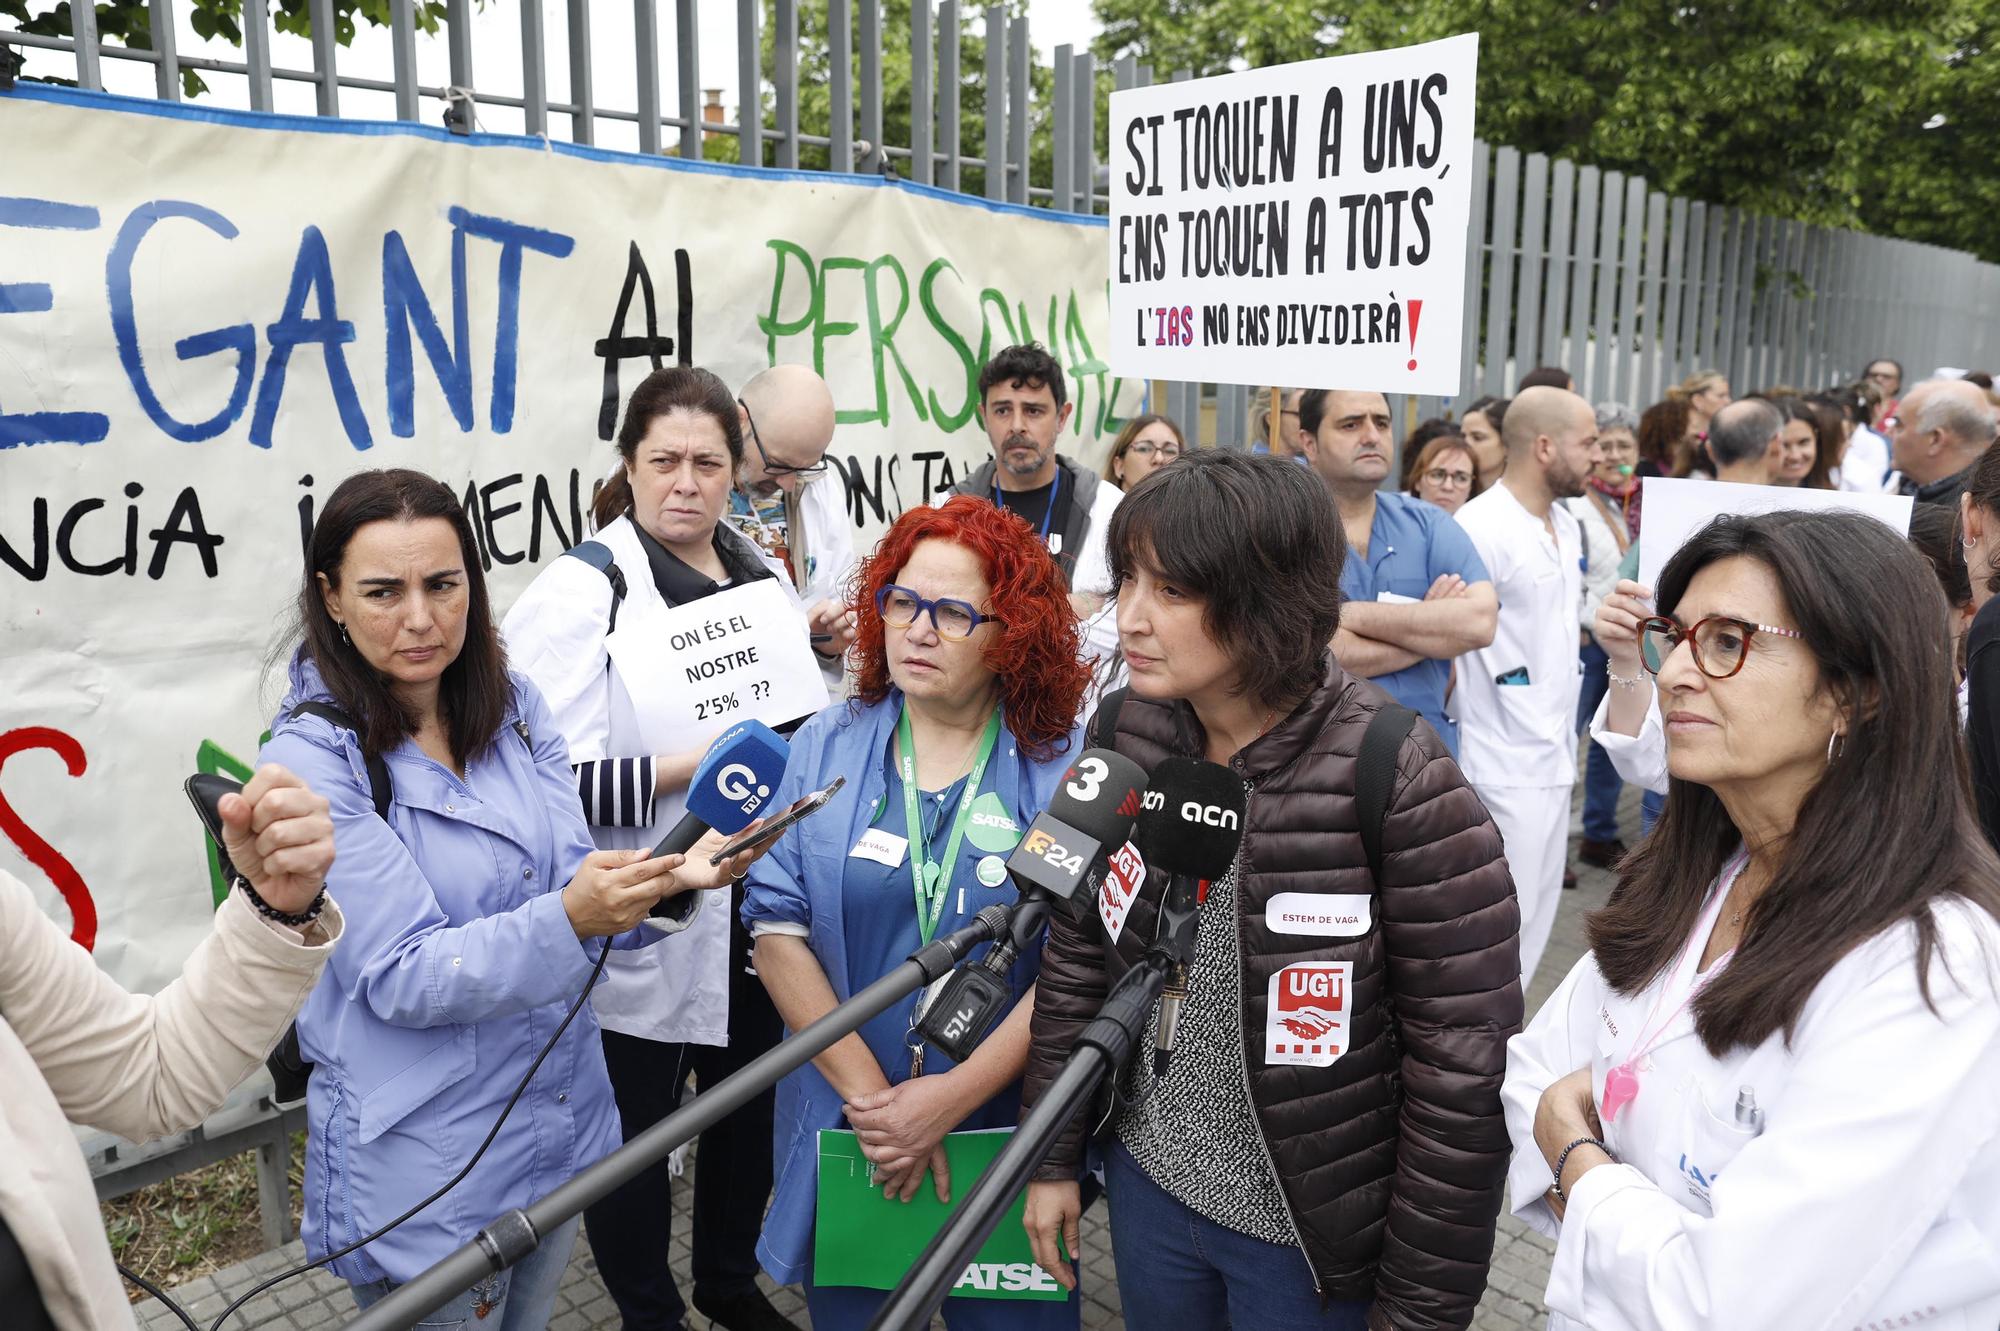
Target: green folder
{"points": [[863, 1238]]}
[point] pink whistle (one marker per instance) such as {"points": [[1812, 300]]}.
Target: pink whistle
{"points": [[1621, 1088]]}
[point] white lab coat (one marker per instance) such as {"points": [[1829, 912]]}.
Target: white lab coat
{"points": [[1871, 1196], [1641, 758], [1864, 467], [677, 989], [829, 549]]}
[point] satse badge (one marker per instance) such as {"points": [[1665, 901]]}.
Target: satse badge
{"points": [[1305, 1017]]}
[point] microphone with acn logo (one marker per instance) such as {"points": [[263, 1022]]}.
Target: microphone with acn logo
{"points": [[1190, 827], [732, 784], [1088, 818]]}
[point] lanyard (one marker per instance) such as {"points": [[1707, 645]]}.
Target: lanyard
{"points": [[933, 877], [1055, 493]]}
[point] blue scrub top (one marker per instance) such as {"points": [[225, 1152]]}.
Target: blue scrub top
{"points": [[1412, 544]]}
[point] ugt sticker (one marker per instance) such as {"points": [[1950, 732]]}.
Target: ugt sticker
{"points": [[1122, 881], [1305, 1019]]}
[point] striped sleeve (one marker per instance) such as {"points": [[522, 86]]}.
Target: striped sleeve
{"points": [[616, 792]]}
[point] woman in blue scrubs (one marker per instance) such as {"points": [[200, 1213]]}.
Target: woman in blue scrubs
{"points": [[961, 725]]}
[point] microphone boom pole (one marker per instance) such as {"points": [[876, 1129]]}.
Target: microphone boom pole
{"points": [[1101, 1049], [517, 1233]]}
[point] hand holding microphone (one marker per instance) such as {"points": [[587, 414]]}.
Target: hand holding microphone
{"points": [[278, 834]]}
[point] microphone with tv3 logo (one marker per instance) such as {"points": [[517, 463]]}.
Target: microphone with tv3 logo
{"points": [[1088, 818], [732, 785], [1190, 827]]}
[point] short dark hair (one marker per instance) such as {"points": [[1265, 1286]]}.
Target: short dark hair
{"points": [[1934, 535], [1882, 360], [1025, 364], [1257, 538], [676, 388], [1312, 405], [1415, 447], [1884, 834], [474, 694], [1545, 376], [1494, 409], [1746, 434]]}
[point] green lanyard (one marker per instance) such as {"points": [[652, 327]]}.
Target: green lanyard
{"points": [[933, 877]]}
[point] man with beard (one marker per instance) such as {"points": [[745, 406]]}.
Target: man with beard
{"points": [[1024, 405], [1414, 593], [1516, 698]]}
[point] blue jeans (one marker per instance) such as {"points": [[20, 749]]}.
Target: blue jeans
{"points": [[1601, 785], [1176, 1268], [524, 1295]]}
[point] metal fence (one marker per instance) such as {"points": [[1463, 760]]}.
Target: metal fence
{"points": [[1628, 288]]}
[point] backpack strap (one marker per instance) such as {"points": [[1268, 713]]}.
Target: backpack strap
{"points": [[379, 788], [598, 555], [1375, 776], [1103, 729]]}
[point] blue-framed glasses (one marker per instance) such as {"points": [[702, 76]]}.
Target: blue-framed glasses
{"points": [[899, 608]]}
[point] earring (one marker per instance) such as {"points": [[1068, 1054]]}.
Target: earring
{"points": [[345, 640], [1834, 746], [1969, 544]]}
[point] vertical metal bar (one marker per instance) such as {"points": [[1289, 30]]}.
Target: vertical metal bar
{"points": [[1062, 137], [1083, 86], [458, 41], [1555, 276], [1603, 325], [274, 1192], [1683, 263], [1500, 269], [1124, 73], [646, 54], [1728, 338], [1020, 55], [581, 121], [257, 52], [750, 81], [1583, 273], [1646, 331], [1142, 77], [1475, 270], [1711, 292], [948, 79], [785, 78], [840, 48], [83, 29], [996, 102], [687, 73], [167, 73], [324, 46], [534, 70], [1534, 235], [403, 54], [870, 38], [1232, 409], [923, 113], [1626, 345]]}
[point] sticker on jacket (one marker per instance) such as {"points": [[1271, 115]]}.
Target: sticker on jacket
{"points": [[1305, 1021], [1325, 914], [1122, 881]]}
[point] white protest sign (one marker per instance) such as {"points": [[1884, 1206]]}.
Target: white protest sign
{"points": [[740, 653], [1302, 224], [1677, 509]]}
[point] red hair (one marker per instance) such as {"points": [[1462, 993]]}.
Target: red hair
{"points": [[1041, 680]]}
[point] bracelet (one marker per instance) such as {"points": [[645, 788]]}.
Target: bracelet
{"points": [[1627, 684], [270, 912], [1563, 1159]]}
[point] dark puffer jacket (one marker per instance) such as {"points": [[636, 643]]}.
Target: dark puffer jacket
{"points": [[1392, 1159]]}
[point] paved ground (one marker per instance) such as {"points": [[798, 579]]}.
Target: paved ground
{"points": [[1512, 1302]]}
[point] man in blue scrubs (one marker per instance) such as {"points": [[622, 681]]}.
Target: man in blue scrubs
{"points": [[1414, 592]]}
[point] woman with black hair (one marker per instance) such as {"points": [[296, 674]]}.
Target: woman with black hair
{"points": [[1770, 1094]]}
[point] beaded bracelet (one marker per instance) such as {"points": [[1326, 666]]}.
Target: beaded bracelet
{"points": [[1563, 1159], [1627, 684], [270, 912]]}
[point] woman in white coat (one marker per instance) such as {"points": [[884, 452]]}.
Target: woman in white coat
{"points": [[1770, 1094], [601, 637]]}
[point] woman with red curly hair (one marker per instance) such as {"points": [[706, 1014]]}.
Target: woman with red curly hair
{"points": [[961, 724]]}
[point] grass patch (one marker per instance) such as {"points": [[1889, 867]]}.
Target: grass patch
{"points": [[196, 1223]]}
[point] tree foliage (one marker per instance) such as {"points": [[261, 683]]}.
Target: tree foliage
{"points": [[1877, 114]]}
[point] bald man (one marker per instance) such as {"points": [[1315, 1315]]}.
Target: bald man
{"points": [[787, 503], [1516, 698], [1939, 430]]}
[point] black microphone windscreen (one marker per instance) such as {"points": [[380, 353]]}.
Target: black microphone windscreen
{"points": [[1099, 796], [1191, 818]]}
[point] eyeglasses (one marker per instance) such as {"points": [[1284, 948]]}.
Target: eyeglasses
{"points": [[1719, 643], [778, 468], [1145, 449], [899, 608], [1440, 477]]}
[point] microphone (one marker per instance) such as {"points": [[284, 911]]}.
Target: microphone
{"points": [[732, 784], [1089, 816], [1191, 825]]}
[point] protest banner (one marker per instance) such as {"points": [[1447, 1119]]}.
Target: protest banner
{"points": [[1299, 224], [1676, 509], [209, 318]]}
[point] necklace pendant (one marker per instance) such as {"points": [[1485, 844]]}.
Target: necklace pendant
{"points": [[931, 875]]}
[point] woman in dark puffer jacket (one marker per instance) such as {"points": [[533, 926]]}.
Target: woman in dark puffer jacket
{"points": [[1327, 1148]]}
